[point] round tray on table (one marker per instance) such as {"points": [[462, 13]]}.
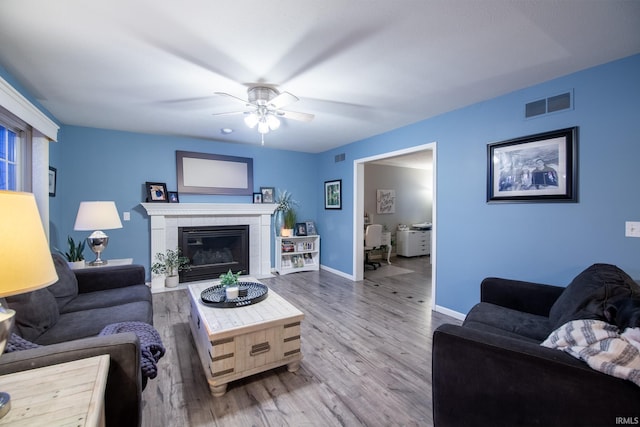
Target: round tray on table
{"points": [[250, 293]]}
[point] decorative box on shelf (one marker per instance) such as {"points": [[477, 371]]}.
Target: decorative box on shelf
{"points": [[297, 253]]}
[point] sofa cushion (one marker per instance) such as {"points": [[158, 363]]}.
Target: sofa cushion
{"points": [[108, 298], [66, 288], [87, 323], [590, 292], [505, 321], [36, 312]]}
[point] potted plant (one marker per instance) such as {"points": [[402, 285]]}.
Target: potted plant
{"points": [[230, 282], [170, 264], [75, 256], [285, 204], [289, 223]]}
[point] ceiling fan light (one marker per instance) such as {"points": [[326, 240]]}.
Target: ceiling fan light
{"points": [[263, 127], [273, 122], [251, 120]]}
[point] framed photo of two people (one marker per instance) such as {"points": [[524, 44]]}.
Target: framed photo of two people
{"points": [[535, 168]]}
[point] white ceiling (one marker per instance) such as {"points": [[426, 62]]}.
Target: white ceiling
{"points": [[362, 67]]}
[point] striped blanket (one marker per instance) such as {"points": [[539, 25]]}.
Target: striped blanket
{"points": [[601, 346]]}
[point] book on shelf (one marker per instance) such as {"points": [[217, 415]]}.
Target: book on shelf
{"points": [[288, 246]]}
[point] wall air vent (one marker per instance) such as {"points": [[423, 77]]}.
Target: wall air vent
{"points": [[548, 105], [339, 157]]}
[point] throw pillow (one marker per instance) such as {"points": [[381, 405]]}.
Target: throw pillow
{"points": [[36, 312], [66, 288], [588, 294]]}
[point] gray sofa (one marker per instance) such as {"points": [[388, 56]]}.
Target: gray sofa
{"points": [[492, 370], [66, 319]]}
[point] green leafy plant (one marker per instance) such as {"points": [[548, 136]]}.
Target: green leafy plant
{"points": [[290, 218], [229, 278], [170, 263], [285, 201], [75, 251]]}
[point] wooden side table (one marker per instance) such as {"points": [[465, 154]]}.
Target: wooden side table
{"points": [[70, 393], [110, 263]]}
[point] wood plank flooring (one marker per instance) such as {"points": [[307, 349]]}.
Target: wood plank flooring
{"points": [[367, 358]]}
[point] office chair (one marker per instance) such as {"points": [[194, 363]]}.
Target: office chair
{"points": [[372, 241]]}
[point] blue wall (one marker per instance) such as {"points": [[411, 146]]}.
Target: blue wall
{"points": [[542, 242], [96, 164], [547, 242]]}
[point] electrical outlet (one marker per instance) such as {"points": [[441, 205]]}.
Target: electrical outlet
{"points": [[632, 229], [126, 216]]}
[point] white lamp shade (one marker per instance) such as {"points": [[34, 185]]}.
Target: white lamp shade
{"points": [[251, 120], [273, 122], [97, 216], [25, 257]]}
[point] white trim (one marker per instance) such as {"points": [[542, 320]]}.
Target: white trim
{"points": [[17, 104], [170, 209], [358, 210], [449, 312], [337, 272]]}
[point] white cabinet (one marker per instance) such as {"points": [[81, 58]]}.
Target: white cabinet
{"points": [[297, 253], [413, 242]]}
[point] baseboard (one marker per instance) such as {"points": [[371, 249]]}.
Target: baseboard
{"points": [[449, 312], [337, 272]]}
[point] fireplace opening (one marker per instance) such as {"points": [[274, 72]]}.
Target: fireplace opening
{"points": [[214, 250]]}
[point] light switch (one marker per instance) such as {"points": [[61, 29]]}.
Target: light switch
{"points": [[632, 229], [126, 216]]}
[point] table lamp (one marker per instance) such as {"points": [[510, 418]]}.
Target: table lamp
{"points": [[97, 216], [25, 259]]}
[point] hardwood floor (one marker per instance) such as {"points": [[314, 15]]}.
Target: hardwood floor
{"points": [[367, 357]]}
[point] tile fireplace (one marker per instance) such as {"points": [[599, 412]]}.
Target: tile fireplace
{"points": [[167, 218]]}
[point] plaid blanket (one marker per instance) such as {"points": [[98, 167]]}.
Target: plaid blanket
{"points": [[601, 346]]}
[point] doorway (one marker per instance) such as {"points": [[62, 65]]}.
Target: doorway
{"points": [[358, 203]]}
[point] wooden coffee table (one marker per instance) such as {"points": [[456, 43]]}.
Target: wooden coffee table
{"points": [[234, 343]]}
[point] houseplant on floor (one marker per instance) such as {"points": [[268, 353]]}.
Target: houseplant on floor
{"points": [[170, 264], [74, 256]]}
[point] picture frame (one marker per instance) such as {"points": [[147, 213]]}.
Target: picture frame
{"points": [[156, 192], [311, 228], [386, 201], [53, 176], [301, 229], [205, 173], [268, 194], [257, 197], [173, 197], [333, 194], [535, 168]]}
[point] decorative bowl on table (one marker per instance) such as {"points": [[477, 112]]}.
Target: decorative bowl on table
{"points": [[248, 293]]}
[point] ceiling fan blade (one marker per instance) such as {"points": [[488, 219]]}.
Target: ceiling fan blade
{"points": [[235, 98], [228, 113], [282, 100], [295, 115]]}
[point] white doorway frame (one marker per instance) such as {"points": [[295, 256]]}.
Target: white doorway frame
{"points": [[358, 211]]}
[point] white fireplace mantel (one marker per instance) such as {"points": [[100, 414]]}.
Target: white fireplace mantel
{"points": [[167, 217]]}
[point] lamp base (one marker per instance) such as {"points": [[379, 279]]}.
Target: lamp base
{"points": [[98, 242], [5, 403]]}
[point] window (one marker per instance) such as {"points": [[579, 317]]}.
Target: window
{"points": [[8, 164], [15, 167]]}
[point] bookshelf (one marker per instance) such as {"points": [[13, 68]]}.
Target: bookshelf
{"points": [[297, 253]]}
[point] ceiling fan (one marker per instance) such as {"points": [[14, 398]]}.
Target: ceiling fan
{"points": [[264, 108]]}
